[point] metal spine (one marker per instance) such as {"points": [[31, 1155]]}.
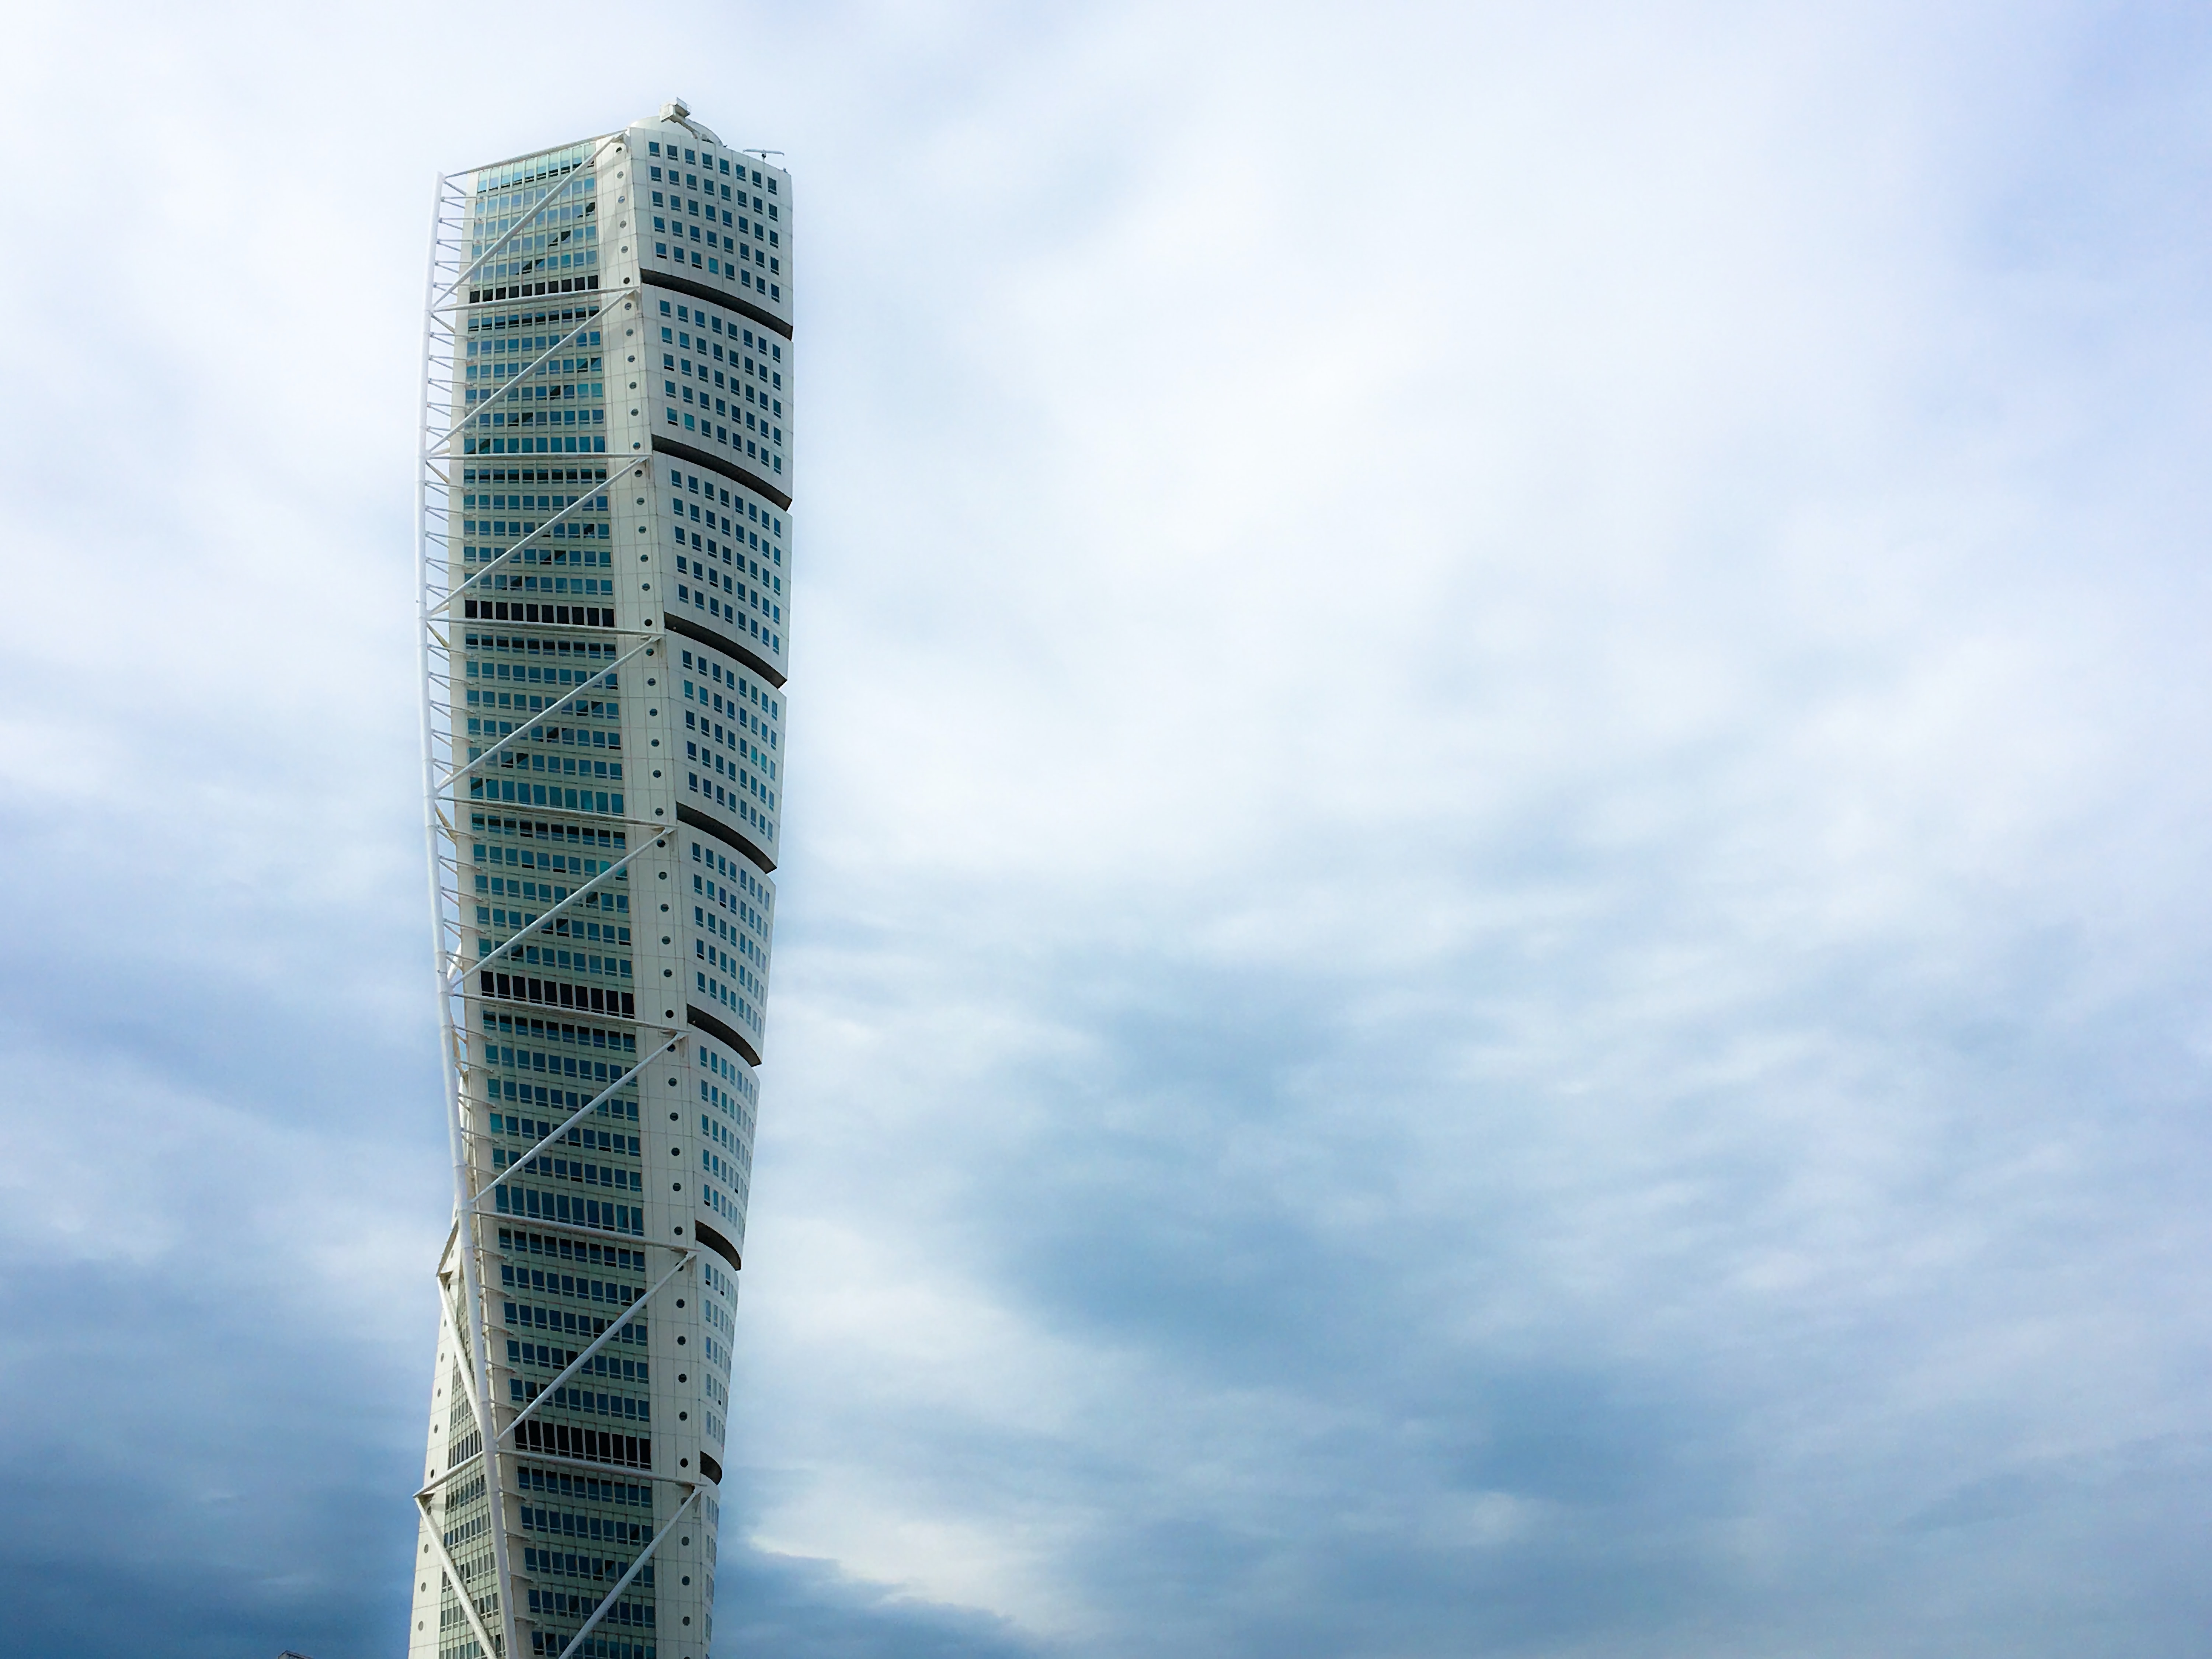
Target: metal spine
{"points": [[485, 1584]]}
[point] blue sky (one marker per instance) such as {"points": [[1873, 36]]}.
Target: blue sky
{"points": [[1495, 928]]}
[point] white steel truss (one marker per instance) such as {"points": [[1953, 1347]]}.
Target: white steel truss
{"points": [[583, 1358], [465, 1310], [469, 764], [575, 1642]]}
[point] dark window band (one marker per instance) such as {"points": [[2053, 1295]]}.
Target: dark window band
{"points": [[714, 1027], [728, 468], [726, 834], [720, 1245], [715, 296], [726, 645]]}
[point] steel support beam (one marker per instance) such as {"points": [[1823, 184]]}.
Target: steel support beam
{"points": [[614, 1327], [636, 1567], [522, 1160]]}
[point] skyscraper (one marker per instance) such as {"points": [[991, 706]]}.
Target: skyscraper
{"points": [[606, 548]]}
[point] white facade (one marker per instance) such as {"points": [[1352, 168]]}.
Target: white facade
{"points": [[607, 557]]}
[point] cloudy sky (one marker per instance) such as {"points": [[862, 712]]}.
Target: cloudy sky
{"points": [[1499, 911]]}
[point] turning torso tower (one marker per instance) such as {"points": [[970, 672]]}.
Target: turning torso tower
{"points": [[606, 544]]}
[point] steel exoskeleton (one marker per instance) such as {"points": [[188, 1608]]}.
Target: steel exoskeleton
{"points": [[462, 1307]]}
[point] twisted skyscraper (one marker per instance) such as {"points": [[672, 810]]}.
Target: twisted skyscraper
{"points": [[605, 556]]}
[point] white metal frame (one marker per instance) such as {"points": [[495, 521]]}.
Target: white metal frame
{"points": [[464, 1305]]}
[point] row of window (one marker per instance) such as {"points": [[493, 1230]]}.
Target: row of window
{"points": [[726, 1169], [723, 1134], [725, 962], [459, 1494], [520, 791], [569, 1100], [764, 608], [762, 366], [541, 833], [545, 170], [724, 614], [546, 892], [747, 223], [576, 929], [523, 1029], [576, 1251], [728, 898], [730, 794], [746, 420], [732, 1209], [563, 530], [599, 1528], [524, 504], [545, 1064], [745, 882], [529, 1094], [717, 927], [586, 390], [551, 1281], [753, 449], [586, 1445], [733, 552], [583, 1489], [731, 737], [502, 344], [458, 1536], [719, 990], [753, 370], [555, 1602], [737, 1075], [731, 251], [592, 1403], [549, 956], [561, 1565], [563, 616], [718, 1281], [474, 476], [572, 1210], [552, 368], [544, 253], [549, 653], [553, 737], [512, 759], [584, 1172], [738, 685], [584, 443], [574, 197], [602, 587], [691, 483], [590, 1139], [708, 161], [549, 228], [715, 264], [519, 988], [548, 1356], [676, 201], [538, 857], [505, 327], [553, 1358], [722, 1284], [555, 1644]]}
